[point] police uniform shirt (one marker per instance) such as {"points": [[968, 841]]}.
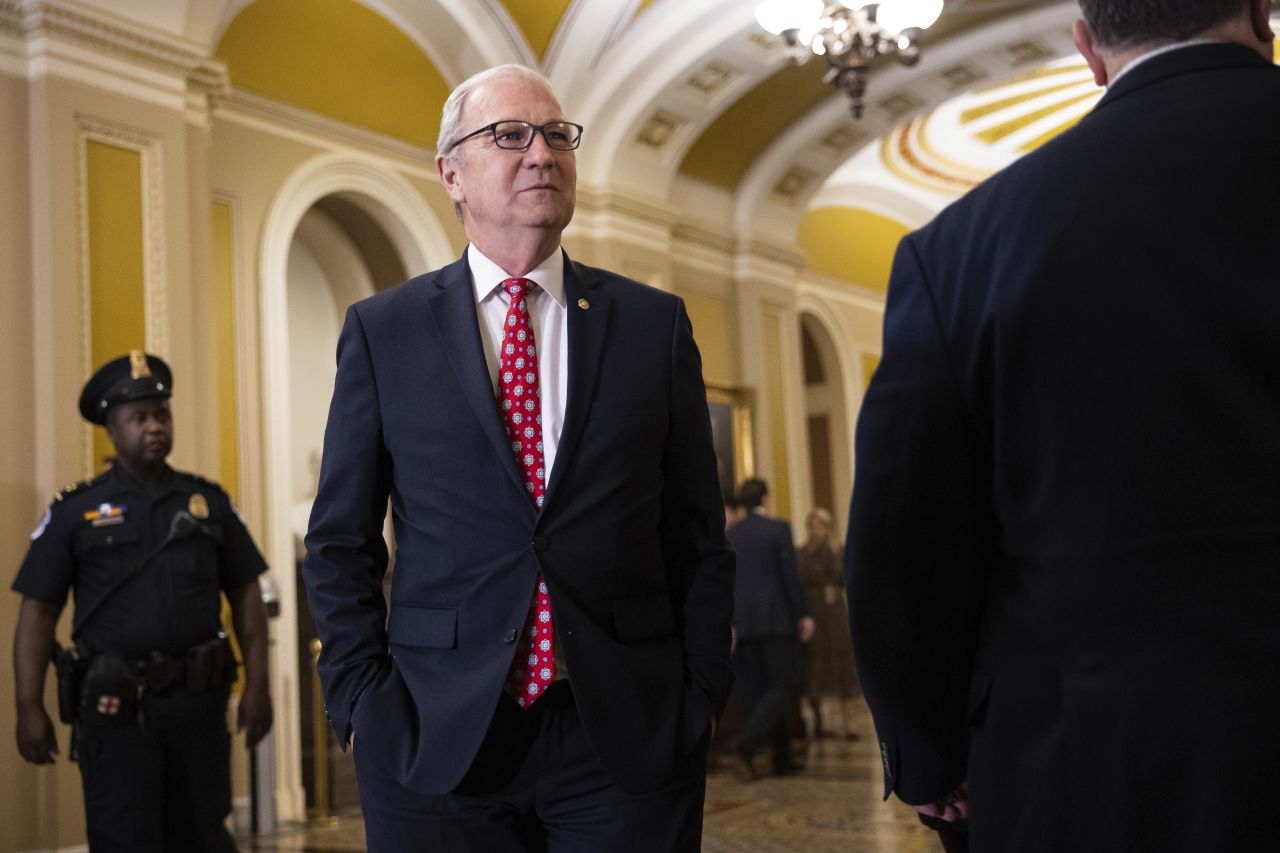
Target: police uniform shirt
{"points": [[94, 532]]}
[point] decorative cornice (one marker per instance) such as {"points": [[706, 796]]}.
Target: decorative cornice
{"points": [[649, 211], [768, 250], [245, 107], [704, 235], [121, 39]]}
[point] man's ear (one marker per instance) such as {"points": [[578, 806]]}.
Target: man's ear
{"points": [[1260, 17], [1084, 44], [451, 177]]}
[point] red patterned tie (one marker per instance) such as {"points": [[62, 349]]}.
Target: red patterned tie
{"points": [[534, 666]]}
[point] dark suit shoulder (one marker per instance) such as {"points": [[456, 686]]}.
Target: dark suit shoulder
{"points": [[395, 299], [619, 286]]}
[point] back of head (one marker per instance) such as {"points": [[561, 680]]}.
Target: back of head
{"points": [[1130, 23], [752, 493]]}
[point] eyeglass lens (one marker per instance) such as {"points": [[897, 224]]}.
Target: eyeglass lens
{"points": [[560, 135]]}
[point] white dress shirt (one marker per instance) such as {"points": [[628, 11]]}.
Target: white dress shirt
{"points": [[547, 315]]}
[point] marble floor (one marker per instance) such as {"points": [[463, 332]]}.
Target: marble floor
{"points": [[834, 805]]}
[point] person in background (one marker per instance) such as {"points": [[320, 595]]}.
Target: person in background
{"points": [[827, 659], [148, 551], [1064, 538], [770, 619]]}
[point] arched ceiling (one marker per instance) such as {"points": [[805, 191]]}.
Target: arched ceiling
{"points": [[682, 99], [338, 58]]}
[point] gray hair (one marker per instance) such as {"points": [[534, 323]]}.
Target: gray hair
{"points": [[451, 115], [1127, 23]]}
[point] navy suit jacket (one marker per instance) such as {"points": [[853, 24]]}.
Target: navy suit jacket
{"points": [[1064, 544], [768, 598], [630, 538]]}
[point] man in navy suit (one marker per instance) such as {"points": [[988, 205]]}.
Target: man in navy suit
{"points": [[1064, 544], [557, 641], [770, 618]]}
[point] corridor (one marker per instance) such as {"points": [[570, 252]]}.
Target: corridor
{"points": [[834, 805]]}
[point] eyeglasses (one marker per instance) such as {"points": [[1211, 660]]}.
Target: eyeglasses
{"points": [[514, 135]]}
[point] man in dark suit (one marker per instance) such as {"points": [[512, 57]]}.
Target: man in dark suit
{"points": [[1064, 547], [769, 616], [558, 637]]}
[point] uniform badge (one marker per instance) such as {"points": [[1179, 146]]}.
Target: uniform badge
{"points": [[198, 506], [106, 514], [138, 366], [44, 522]]}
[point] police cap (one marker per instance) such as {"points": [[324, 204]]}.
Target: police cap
{"points": [[136, 376]]}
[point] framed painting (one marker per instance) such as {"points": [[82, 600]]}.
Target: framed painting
{"points": [[730, 410]]}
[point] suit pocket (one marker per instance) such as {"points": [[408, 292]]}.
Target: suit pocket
{"points": [[643, 618], [633, 408], [424, 627]]}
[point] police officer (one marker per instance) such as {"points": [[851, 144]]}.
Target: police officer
{"points": [[147, 550]]}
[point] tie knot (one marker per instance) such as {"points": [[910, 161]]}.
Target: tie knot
{"points": [[517, 287]]}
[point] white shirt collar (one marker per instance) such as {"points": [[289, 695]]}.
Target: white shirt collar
{"points": [[1152, 54], [486, 276]]}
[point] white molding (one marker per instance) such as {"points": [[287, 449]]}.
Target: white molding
{"points": [[66, 40], [412, 227], [302, 125], [155, 281]]}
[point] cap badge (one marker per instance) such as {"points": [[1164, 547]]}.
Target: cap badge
{"points": [[198, 506], [138, 367]]}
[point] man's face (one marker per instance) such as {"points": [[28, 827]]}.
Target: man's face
{"points": [[142, 431], [501, 190]]}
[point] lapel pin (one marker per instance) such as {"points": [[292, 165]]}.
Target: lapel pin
{"points": [[584, 304]]}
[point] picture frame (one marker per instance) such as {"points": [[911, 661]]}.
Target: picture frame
{"points": [[730, 408]]}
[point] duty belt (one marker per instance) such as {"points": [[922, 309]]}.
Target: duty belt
{"points": [[159, 671]]}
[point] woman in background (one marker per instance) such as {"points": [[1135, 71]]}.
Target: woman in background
{"points": [[829, 672]]}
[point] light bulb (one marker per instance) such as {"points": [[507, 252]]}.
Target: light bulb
{"points": [[779, 15], [898, 15]]}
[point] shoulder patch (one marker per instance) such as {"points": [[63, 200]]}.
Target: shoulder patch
{"points": [[43, 523]]}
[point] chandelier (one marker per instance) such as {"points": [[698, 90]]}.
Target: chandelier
{"points": [[849, 34]]}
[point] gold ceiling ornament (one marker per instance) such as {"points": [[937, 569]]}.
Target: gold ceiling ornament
{"points": [[849, 35]]}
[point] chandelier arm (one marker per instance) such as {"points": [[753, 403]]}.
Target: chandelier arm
{"points": [[849, 40]]}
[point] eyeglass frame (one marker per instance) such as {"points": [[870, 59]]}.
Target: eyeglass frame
{"points": [[536, 128]]}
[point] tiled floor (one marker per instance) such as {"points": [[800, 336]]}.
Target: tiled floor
{"points": [[834, 805]]}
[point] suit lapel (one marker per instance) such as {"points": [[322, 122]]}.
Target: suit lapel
{"points": [[588, 310], [453, 308]]}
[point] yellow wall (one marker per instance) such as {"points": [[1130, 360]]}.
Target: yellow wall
{"points": [[775, 385], [538, 20], [117, 300], [869, 365], [224, 322], [713, 332], [338, 58], [853, 245]]}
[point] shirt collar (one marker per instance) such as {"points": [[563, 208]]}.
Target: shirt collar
{"points": [[1152, 54], [486, 276]]}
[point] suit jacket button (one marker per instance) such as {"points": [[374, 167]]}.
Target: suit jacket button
{"points": [[510, 636], [540, 543]]}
